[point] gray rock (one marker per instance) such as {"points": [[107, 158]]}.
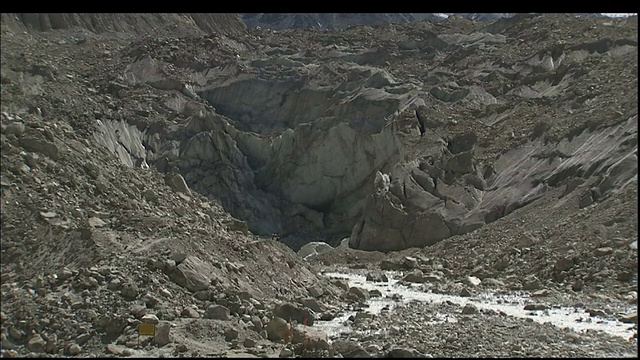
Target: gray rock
{"points": [[540, 293], [115, 349], [176, 183], [217, 312], [36, 344], [358, 293], [138, 311], [531, 283], [415, 276], [629, 318], [349, 348], [464, 292], [150, 300], [341, 284], [52, 343], [112, 325], [162, 336], [16, 334], [390, 265], [40, 146], [277, 329], [409, 262], [192, 274], [312, 304], [563, 264], [536, 306], [603, 251], [491, 282], [257, 323], [83, 338], [178, 257], [114, 285], [469, 309], [150, 319], [314, 248], [577, 285], [295, 313], [74, 349], [16, 128], [129, 291], [169, 266], [472, 280], [286, 353], [373, 348], [375, 293], [150, 195], [190, 312], [377, 277], [230, 334], [315, 290], [624, 276], [249, 343]]}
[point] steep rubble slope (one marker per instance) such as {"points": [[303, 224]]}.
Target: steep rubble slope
{"points": [[128, 24], [94, 242]]}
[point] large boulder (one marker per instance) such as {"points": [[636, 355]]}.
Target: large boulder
{"points": [[290, 311], [314, 248], [277, 329], [192, 274]]}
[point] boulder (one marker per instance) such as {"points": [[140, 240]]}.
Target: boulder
{"points": [[358, 293], [192, 274], [277, 329], [349, 349], [469, 309], [409, 262], [390, 265], [162, 335], [311, 337], [415, 276], [190, 312], [150, 319], [315, 290], [377, 277], [290, 311], [217, 312], [40, 146], [313, 304], [176, 183], [314, 248], [16, 128], [36, 344]]}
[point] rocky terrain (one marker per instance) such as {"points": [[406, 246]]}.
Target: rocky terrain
{"points": [[148, 160]]}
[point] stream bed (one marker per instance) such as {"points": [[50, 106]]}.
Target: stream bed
{"points": [[395, 293]]}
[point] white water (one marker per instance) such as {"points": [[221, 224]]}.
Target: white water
{"points": [[512, 305]]}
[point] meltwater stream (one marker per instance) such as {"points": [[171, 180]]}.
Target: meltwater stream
{"points": [[512, 305]]}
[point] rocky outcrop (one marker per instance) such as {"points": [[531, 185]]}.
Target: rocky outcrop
{"points": [[450, 196]]}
